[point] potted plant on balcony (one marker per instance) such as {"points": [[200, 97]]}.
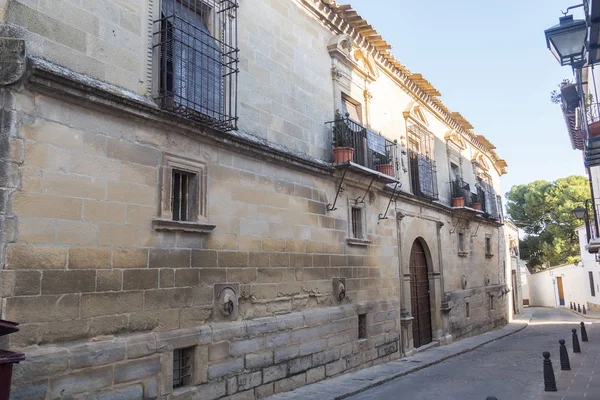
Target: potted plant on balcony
{"points": [[457, 198], [475, 202], [342, 140], [384, 163]]}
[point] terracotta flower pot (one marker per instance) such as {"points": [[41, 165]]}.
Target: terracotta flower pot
{"points": [[385, 169], [595, 129], [458, 202], [343, 154], [476, 206]]}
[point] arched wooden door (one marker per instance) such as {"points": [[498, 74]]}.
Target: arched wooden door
{"points": [[419, 293]]}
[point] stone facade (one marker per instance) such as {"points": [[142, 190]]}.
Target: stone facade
{"points": [[107, 287]]}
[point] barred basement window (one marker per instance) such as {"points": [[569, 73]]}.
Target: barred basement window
{"points": [[183, 360], [357, 223], [461, 244], [183, 200], [362, 326], [467, 309], [491, 302], [488, 246], [195, 45]]}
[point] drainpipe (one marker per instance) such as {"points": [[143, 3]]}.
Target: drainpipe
{"points": [[444, 306], [405, 316]]}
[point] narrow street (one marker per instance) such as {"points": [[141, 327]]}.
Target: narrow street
{"points": [[509, 368]]}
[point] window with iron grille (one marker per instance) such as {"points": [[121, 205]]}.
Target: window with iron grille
{"points": [[461, 243], [183, 199], [421, 157], [592, 288], [357, 223], [491, 302], [195, 43], [467, 309], [183, 361], [362, 326], [488, 246]]}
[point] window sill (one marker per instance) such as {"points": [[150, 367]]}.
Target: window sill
{"points": [[168, 225], [358, 242], [489, 255], [463, 253]]}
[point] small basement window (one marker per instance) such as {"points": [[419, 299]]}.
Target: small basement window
{"points": [[491, 302], [183, 200], [362, 326], [182, 366], [467, 309], [357, 223], [462, 250], [488, 246]]}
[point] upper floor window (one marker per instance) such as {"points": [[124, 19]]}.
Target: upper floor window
{"points": [[421, 156], [352, 108], [197, 56]]}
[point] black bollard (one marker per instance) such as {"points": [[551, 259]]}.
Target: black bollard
{"points": [[584, 337], [565, 365], [571, 305], [578, 307], [584, 310], [549, 380], [576, 348], [491, 398]]}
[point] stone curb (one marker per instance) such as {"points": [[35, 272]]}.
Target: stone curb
{"points": [[581, 314], [392, 376]]}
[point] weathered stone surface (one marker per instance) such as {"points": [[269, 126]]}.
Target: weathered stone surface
{"points": [[274, 373], [315, 374], [249, 381], [49, 361], [30, 391], [133, 392], [226, 368], [218, 351], [335, 367], [137, 370], [259, 360], [81, 382], [299, 364], [211, 391], [96, 354], [290, 383], [264, 391], [12, 60]]}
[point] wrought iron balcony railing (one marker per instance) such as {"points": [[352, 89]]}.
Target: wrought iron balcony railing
{"points": [[459, 189], [593, 113], [356, 143]]}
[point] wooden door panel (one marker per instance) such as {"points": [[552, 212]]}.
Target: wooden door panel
{"points": [[420, 297]]}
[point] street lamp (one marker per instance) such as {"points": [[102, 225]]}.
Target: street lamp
{"points": [[567, 40], [579, 212]]}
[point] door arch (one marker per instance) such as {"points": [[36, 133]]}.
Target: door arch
{"points": [[420, 295]]}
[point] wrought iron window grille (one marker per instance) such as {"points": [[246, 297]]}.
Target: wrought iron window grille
{"points": [[182, 366], [195, 45], [421, 159], [362, 326]]}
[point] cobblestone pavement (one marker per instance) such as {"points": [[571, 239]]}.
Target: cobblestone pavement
{"points": [[509, 368]]}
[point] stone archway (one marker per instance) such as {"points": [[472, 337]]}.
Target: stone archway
{"points": [[420, 295]]}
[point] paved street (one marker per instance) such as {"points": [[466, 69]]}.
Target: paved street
{"points": [[509, 368]]}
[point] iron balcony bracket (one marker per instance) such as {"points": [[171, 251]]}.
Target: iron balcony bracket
{"points": [[332, 207], [393, 197], [362, 199], [476, 230], [456, 222]]}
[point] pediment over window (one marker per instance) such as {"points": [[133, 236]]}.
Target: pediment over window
{"points": [[344, 49], [479, 160], [455, 138], [415, 113]]}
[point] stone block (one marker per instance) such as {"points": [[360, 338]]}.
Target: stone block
{"points": [[249, 381], [81, 382], [226, 368], [166, 278], [36, 230], [78, 233], [218, 351], [139, 174], [70, 185], [41, 363], [259, 360], [326, 357], [260, 326], [164, 299], [137, 279], [133, 153], [109, 281], [57, 282], [20, 283], [140, 345], [140, 215], [129, 193], [299, 364], [232, 259], [291, 383], [169, 258], [109, 325], [242, 347], [42, 308], [335, 367], [258, 260], [31, 391], [136, 370], [130, 258], [212, 391], [89, 258], [274, 373], [290, 321], [232, 386], [99, 167], [117, 235], [247, 395], [212, 275], [241, 275], [98, 304], [22, 256], [151, 389], [101, 211], [315, 374], [204, 259], [97, 354], [187, 277]]}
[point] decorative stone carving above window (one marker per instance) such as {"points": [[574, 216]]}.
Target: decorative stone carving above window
{"points": [[343, 49], [453, 139]]}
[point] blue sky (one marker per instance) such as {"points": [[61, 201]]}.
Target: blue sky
{"points": [[490, 62]]}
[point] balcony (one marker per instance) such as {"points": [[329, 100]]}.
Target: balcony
{"points": [[461, 197], [363, 150], [592, 144]]}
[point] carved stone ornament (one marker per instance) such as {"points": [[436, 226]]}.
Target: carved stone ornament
{"points": [[12, 60], [463, 282], [486, 279], [339, 289], [226, 306]]}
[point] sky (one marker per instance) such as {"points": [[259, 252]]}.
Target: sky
{"points": [[490, 62]]}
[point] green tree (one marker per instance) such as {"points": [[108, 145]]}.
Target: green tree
{"points": [[543, 210]]}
